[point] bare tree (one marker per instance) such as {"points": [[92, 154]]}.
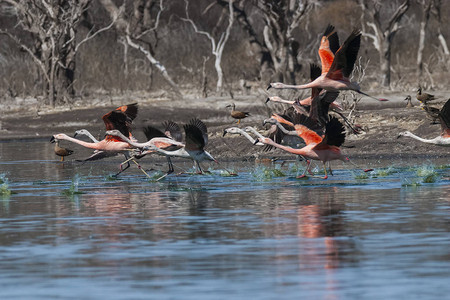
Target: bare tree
{"points": [[426, 4], [382, 32], [53, 26], [138, 29], [256, 43], [437, 12], [281, 19], [217, 47]]}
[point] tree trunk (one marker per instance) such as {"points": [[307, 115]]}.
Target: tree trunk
{"points": [[385, 64], [423, 26]]}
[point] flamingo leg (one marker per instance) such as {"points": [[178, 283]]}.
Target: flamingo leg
{"points": [[309, 168], [140, 168], [308, 164], [329, 168], [200, 171], [127, 161], [171, 170], [325, 169]]}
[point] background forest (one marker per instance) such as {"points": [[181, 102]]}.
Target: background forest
{"points": [[61, 51]]}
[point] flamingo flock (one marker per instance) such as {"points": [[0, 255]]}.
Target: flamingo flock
{"points": [[320, 135]]}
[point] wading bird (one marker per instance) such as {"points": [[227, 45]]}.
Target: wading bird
{"points": [[120, 119], [424, 97], [61, 151], [236, 114], [444, 138], [196, 138], [236, 130], [156, 138], [409, 101], [337, 77], [324, 148]]}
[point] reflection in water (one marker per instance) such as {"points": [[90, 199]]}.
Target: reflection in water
{"points": [[191, 237]]}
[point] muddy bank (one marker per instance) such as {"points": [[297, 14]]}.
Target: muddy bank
{"points": [[381, 121]]}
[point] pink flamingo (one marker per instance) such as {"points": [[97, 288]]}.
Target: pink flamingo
{"points": [[119, 119], [337, 77], [324, 148]]}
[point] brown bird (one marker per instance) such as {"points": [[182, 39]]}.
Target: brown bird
{"points": [[432, 112], [424, 97], [444, 138], [236, 114], [408, 103], [60, 151]]}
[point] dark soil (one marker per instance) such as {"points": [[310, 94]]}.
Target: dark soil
{"points": [[382, 122]]}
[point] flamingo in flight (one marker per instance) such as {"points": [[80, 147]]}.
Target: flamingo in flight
{"points": [[315, 72], [324, 148], [168, 141], [196, 138], [444, 138], [337, 77], [120, 119], [243, 132]]}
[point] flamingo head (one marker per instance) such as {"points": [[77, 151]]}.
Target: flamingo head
{"points": [[113, 132], [57, 137], [81, 132], [404, 133], [275, 85], [232, 130], [270, 121], [273, 99]]}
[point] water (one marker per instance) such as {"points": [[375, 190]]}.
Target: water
{"points": [[70, 231]]}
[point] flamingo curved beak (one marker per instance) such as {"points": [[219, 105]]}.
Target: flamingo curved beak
{"points": [[267, 100], [52, 139], [224, 133], [268, 88]]}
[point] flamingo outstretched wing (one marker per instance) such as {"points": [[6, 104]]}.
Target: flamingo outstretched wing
{"points": [[302, 125], [345, 57], [120, 119], [173, 131], [334, 134], [444, 118], [329, 45]]}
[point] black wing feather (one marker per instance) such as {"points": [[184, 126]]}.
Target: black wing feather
{"points": [[334, 132], [152, 132], [171, 128], [444, 116]]}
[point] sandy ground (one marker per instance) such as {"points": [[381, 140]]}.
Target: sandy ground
{"points": [[382, 122]]}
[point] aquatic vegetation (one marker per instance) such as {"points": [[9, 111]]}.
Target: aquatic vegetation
{"points": [[428, 174], [361, 176], [385, 172], [73, 189], [264, 173], [4, 188]]}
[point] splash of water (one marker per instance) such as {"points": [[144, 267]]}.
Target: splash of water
{"points": [[4, 187]]}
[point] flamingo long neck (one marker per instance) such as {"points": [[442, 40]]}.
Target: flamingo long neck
{"points": [[285, 131], [255, 132], [301, 151], [89, 135], [280, 100], [435, 141], [82, 143], [245, 134]]}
